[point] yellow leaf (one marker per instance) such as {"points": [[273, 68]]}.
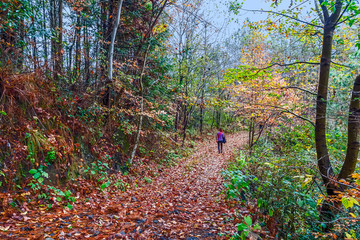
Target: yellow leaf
{"points": [[306, 181], [353, 215], [354, 201], [319, 201]]}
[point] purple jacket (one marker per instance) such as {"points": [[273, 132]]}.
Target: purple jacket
{"points": [[220, 136]]}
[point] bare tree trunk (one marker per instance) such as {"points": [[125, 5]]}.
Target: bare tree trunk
{"points": [[77, 69], [322, 152], [251, 134], [53, 38], [87, 57], [35, 59], [56, 25], [185, 123], [324, 164], [141, 108], [178, 112], [113, 36], [60, 32], [44, 36], [202, 106], [352, 153]]}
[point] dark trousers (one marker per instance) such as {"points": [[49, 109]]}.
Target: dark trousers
{"points": [[220, 146]]}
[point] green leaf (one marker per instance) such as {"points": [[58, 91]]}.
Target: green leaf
{"points": [[271, 212], [345, 202], [58, 199], [105, 185], [40, 180], [70, 206], [241, 227], [257, 227], [37, 175], [248, 220], [33, 171]]}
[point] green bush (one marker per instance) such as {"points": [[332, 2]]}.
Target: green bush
{"points": [[281, 179]]}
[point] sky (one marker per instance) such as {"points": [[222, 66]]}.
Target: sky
{"points": [[217, 13]]}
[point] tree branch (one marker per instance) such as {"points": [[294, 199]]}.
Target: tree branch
{"points": [[335, 15], [341, 65], [284, 65], [286, 111], [347, 6], [318, 12], [291, 87], [284, 15], [325, 10], [289, 64]]}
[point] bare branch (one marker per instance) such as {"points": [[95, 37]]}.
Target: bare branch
{"points": [[284, 65], [290, 87], [289, 64], [299, 88], [284, 15], [284, 110], [318, 11], [341, 65]]}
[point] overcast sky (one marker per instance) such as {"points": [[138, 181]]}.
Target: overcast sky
{"points": [[217, 13]]}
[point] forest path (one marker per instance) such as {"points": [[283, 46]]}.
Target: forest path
{"points": [[183, 202], [186, 202]]}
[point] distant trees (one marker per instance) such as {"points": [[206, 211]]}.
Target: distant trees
{"points": [[197, 69]]}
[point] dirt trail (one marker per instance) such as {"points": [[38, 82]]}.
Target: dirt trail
{"points": [[183, 202]]}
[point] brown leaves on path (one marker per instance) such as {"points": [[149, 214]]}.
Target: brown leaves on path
{"points": [[183, 202]]}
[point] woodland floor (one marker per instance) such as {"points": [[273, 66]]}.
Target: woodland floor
{"points": [[183, 202]]}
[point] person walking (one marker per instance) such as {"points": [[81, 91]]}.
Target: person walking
{"points": [[220, 139]]}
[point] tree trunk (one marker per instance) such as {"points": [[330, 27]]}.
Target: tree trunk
{"points": [[178, 111], [52, 29], [322, 152], [185, 123], [324, 164], [141, 108], [202, 106], [60, 32], [352, 153], [76, 74], [87, 57], [113, 36], [44, 35], [56, 25]]}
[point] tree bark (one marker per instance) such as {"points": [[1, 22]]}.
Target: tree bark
{"points": [[141, 108], [353, 144], [113, 36], [324, 164], [87, 57], [44, 35]]}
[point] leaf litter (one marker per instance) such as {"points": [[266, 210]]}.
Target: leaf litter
{"points": [[185, 201]]}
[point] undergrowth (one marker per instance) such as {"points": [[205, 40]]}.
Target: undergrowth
{"points": [[52, 141], [281, 186]]}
